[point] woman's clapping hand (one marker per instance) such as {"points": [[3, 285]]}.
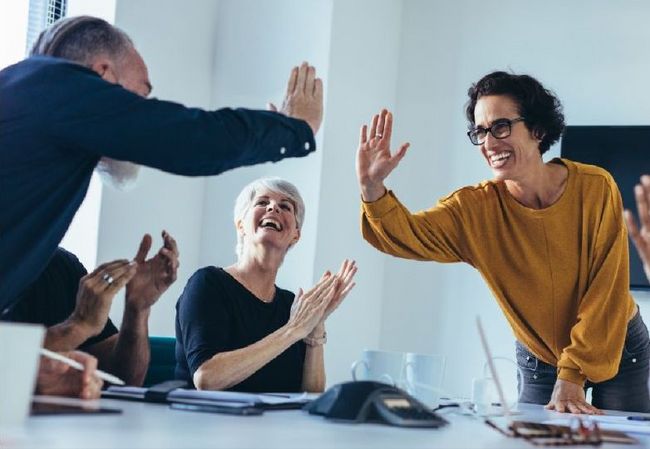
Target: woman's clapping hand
{"points": [[345, 276], [310, 309]]}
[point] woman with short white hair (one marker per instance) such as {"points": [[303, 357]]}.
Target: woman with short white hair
{"points": [[235, 328]]}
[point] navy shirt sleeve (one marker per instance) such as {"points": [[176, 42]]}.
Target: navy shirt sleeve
{"points": [[203, 320], [105, 119]]}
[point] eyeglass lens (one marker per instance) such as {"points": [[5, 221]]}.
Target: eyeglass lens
{"points": [[499, 130]]}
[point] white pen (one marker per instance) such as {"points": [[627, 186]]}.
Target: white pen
{"points": [[76, 365]]}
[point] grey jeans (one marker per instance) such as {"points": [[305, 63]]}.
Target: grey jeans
{"points": [[628, 390]]}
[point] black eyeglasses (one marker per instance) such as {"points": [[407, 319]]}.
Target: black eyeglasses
{"points": [[500, 129]]}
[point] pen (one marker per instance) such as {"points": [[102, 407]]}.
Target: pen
{"points": [[639, 418], [76, 365]]}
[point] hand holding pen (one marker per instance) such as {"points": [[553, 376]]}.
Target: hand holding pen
{"points": [[72, 374], [78, 366], [59, 379]]}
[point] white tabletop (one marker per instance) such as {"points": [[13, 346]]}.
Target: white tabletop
{"points": [[143, 425]]}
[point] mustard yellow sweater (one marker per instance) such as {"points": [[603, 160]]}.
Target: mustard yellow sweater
{"points": [[560, 274]]}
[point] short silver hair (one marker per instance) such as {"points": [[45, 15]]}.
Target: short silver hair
{"points": [[80, 39], [278, 185]]}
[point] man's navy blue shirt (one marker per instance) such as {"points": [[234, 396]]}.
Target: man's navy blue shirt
{"points": [[58, 118]]}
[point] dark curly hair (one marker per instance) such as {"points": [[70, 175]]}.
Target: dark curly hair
{"points": [[540, 107]]}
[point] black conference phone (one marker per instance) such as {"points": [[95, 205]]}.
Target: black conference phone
{"points": [[368, 401]]}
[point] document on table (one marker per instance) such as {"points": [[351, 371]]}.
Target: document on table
{"points": [[270, 400], [211, 397], [608, 422]]}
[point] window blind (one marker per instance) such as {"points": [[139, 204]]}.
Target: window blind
{"points": [[43, 13]]}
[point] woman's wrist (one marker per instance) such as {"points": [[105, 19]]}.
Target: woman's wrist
{"points": [[317, 337], [372, 192], [318, 331], [316, 341]]}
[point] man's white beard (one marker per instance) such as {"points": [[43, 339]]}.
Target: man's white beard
{"points": [[120, 175]]}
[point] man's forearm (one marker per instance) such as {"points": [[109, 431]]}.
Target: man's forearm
{"points": [[66, 336], [130, 357]]}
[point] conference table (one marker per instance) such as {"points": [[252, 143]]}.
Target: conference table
{"points": [[147, 425]]}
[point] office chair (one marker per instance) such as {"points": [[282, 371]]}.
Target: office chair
{"points": [[163, 360]]}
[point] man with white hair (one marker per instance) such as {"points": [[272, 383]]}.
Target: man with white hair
{"points": [[79, 103]]}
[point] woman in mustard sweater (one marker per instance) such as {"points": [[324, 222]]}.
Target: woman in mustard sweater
{"points": [[548, 238]]}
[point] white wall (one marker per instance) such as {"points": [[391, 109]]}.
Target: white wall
{"points": [[104, 9], [362, 78], [13, 32], [416, 57], [256, 45], [177, 47]]}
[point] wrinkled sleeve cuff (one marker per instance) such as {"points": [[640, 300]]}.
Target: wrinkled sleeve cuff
{"points": [[380, 207], [572, 375]]}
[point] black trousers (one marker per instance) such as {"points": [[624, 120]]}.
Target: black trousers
{"points": [[628, 390]]}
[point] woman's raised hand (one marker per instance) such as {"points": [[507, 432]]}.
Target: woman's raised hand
{"points": [[641, 236], [308, 308], [374, 159]]}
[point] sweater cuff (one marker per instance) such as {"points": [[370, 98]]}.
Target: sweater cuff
{"points": [[572, 375], [380, 207]]}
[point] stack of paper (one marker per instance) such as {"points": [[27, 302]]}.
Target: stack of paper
{"points": [[182, 395], [267, 400]]}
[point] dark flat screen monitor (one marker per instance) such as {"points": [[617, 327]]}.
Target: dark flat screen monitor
{"points": [[624, 151]]}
